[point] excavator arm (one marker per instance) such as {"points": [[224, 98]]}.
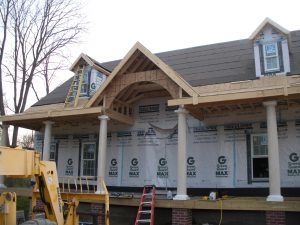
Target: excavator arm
{"points": [[19, 163]]}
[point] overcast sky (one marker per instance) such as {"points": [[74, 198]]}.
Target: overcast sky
{"points": [[163, 25]]}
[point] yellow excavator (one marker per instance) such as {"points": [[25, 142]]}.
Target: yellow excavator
{"points": [[19, 163]]}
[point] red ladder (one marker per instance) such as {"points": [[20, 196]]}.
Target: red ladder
{"points": [[145, 214]]}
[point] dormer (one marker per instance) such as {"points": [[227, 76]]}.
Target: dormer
{"points": [[89, 75], [271, 50]]}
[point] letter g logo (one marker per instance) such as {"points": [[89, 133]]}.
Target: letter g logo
{"points": [[113, 162], [134, 162], [294, 157], [190, 161], [222, 160], [162, 161]]}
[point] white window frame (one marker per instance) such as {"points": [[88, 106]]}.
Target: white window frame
{"points": [[257, 156], [273, 56], [83, 160], [53, 150]]}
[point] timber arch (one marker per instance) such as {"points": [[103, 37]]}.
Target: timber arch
{"points": [[134, 86]]}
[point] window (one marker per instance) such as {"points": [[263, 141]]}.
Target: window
{"points": [[259, 157], [88, 162], [271, 57], [85, 83], [53, 152]]}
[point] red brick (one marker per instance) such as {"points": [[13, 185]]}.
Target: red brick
{"points": [[275, 218], [98, 208]]}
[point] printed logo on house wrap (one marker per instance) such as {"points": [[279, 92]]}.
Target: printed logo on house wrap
{"points": [[222, 167], [113, 168], [162, 168], [134, 168], [69, 167], [190, 167], [293, 165]]}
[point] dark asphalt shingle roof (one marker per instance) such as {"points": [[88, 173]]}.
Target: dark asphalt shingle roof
{"points": [[202, 65]]}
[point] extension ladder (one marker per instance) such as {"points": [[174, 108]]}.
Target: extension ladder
{"points": [[145, 214], [75, 87]]}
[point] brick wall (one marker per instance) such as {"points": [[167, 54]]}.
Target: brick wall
{"points": [[275, 218], [99, 209], [181, 217]]}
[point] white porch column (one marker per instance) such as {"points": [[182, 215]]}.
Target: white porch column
{"points": [[181, 155], [47, 140], [273, 152], [102, 151], [4, 139]]}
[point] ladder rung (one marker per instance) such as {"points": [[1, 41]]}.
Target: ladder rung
{"points": [[144, 221], [146, 203], [148, 194], [145, 211]]}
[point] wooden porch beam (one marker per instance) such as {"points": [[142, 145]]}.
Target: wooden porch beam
{"points": [[277, 91], [120, 117], [51, 114]]}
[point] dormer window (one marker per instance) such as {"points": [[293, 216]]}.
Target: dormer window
{"points": [[84, 91], [271, 57], [271, 52]]}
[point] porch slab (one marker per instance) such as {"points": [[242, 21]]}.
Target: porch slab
{"points": [[290, 204]]}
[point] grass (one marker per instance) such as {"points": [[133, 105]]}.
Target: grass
{"points": [[23, 203]]}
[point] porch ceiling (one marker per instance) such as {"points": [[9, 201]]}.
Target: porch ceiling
{"points": [[34, 120], [200, 111], [243, 95]]}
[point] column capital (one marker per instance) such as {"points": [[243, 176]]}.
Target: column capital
{"points": [[270, 103], [103, 117], [48, 122], [181, 110]]}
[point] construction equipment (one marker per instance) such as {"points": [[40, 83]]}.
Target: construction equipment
{"points": [[19, 163], [145, 214], [7, 207], [75, 88]]}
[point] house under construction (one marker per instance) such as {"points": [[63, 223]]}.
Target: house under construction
{"points": [[219, 118]]}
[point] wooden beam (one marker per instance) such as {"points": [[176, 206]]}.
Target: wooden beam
{"points": [[239, 95], [156, 61], [51, 114], [120, 117], [129, 62], [138, 64]]}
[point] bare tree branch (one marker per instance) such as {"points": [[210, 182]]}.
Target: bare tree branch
{"points": [[39, 30]]}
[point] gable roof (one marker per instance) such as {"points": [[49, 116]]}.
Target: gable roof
{"points": [[154, 59], [90, 61], [272, 23]]}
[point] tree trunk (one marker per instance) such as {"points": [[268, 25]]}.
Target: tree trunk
{"points": [[15, 137]]}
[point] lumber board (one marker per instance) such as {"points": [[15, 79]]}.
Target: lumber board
{"points": [[290, 204], [236, 91]]}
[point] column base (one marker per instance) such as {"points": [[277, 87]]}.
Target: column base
{"points": [[100, 192], [275, 198], [181, 197], [2, 186]]}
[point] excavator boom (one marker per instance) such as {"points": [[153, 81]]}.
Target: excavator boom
{"points": [[18, 163]]}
